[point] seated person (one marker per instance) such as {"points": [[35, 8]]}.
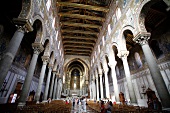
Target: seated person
{"points": [[109, 107], [102, 107]]}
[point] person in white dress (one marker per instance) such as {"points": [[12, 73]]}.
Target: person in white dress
{"points": [[84, 104]]}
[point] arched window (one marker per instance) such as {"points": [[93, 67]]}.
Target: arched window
{"points": [[109, 29], [75, 79], [48, 4], [136, 1], [58, 44], [99, 48], [56, 36], [155, 47], [138, 60], [118, 13], [124, 3]]}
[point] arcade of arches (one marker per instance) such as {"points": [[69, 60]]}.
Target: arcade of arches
{"points": [[92, 48]]}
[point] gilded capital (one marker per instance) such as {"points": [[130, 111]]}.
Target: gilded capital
{"points": [[38, 48], [54, 72], [45, 59], [123, 54], [142, 38], [112, 63], [58, 75], [23, 24], [50, 66], [100, 75]]}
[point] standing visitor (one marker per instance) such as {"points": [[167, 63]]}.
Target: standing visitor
{"points": [[49, 100], [78, 101], [122, 98], [84, 104], [67, 101], [73, 102], [109, 108]]}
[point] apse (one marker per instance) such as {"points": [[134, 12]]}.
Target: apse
{"points": [[75, 69], [75, 79]]}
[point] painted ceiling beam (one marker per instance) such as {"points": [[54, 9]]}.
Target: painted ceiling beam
{"points": [[81, 16], [83, 6], [79, 37], [78, 42], [77, 49], [77, 53], [80, 25], [78, 31], [70, 48], [73, 46]]}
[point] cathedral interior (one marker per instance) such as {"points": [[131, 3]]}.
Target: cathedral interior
{"points": [[93, 48]]}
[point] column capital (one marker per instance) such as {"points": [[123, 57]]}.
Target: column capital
{"points": [[45, 59], [112, 64], [54, 72], [38, 48], [23, 24], [123, 54], [96, 75], [100, 75], [105, 70], [50, 66], [58, 75], [142, 38]]}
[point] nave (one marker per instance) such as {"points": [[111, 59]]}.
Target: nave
{"points": [[58, 49]]}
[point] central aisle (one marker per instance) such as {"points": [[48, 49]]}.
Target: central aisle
{"points": [[79, 109]]}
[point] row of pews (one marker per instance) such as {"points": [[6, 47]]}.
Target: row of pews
{"points": [[94, 106], [55, 106], [117, 108]]}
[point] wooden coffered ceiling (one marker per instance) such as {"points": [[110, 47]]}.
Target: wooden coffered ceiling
{"points": [[81, 22]]}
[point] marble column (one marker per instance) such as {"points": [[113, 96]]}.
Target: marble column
{"points": [[52, 84], [105, 69], [97, 85], [55, 88], [28, 79], [142, 39], [59, 96], [101, 86], [8, 57], [94, 90], [107, 84], [94, 87], [91, 93], [123, 55], [47, 83], [45, 60], [112, 63], [58, 89], [114, 78]]}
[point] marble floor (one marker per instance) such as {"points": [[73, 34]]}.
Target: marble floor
{"points": [[79, 109]]}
